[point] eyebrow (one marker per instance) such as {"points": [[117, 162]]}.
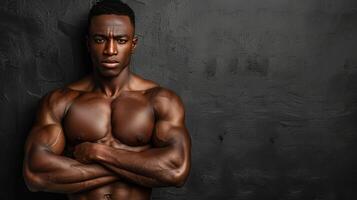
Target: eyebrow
{"points": [[106, 36]]}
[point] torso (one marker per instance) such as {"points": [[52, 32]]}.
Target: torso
{"points": [[126, 122], [128, 119]]}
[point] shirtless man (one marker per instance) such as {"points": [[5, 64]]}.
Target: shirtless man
{"points": [[112, 135]]}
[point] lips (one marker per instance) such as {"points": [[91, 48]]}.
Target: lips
{"points": [[110, 63]]}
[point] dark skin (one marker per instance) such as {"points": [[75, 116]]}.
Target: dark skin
{"points": [[111, 135]]}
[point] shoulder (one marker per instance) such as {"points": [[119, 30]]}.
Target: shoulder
{"points": [[56, 102], [165, 94], [60, 95], [158, 95], [139, 83], [167, 104]]}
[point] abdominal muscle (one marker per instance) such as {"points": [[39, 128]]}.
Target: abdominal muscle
{"points": [[114, 191]]}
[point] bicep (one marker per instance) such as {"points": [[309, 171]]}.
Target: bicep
{"points": [[43, 141], [170, 114], [175, 141], [169, 134], [170, 129], [47, 134]]}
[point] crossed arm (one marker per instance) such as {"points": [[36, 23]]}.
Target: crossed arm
{"points": [[45, 168], [166, 164]]}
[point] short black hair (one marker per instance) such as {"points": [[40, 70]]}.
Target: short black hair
{"points": [[116, 7]]}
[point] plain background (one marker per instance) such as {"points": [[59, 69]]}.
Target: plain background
{"points": [[270, 89]]}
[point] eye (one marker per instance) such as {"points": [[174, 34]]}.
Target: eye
{"points": [[121, 40], [99, 40]]}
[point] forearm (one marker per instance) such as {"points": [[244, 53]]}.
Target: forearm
{"points": [[70, 188], [50, 172], [150, 168], [136, 178]]}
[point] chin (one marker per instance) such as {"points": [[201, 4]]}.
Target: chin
{"points": [[109, 73]]}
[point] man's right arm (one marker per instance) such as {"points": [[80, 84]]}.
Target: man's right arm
{"points": [[45, 168]]}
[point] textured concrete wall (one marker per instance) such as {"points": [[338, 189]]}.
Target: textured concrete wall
{"points": [[270, 89]]}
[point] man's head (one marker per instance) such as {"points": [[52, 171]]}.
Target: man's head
{"points": [[114, 7], [111, 39]]}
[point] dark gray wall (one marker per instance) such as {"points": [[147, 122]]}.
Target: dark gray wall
{"points": [[270, 89]]}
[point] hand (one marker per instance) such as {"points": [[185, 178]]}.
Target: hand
{"points": [[86, 152]]}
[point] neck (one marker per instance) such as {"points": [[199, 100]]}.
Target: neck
{"points": [[113, 86]]}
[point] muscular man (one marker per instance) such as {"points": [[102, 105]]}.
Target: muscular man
{"points": [[112, 135]]}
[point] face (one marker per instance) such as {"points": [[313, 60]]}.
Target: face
{"points": [[111, 42]]}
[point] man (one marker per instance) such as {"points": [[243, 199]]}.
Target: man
{"points": [[112, 135]]}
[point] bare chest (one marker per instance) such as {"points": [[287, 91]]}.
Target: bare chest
{"points": [[128, 120]]}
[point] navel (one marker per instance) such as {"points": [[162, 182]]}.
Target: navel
{"points": [[108, 197]]}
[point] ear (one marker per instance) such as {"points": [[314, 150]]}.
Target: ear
{"points": [[134, 43]]}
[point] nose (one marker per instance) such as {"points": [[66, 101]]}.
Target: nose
{"points": [[110, 48]]}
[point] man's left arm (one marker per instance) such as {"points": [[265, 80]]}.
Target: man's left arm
{"points": [[167, 163]]}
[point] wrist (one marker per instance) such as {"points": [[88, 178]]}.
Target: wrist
{"points": [[99, 153]]}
